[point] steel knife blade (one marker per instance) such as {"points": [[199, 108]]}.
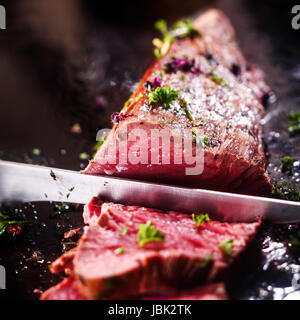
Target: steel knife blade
{"points": [[29, 183]]}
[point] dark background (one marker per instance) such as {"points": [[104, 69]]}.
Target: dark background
{"points": [[73, 61]]}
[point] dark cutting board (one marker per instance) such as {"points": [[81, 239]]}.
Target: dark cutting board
{"points": [[65, 62]]}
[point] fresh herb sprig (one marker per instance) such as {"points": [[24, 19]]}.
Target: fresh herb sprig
{"points": [[203, 217], [7, 221], [84, 156], [217, 79], [180, 30], [162, 26], [123, 232], [226, 246], [120, 250], [206, 260], [60, 209], [285, 191], [69, 193], [68, 245], [184, 29], [294, 118], [200, 122], [99, 144], [162, 97], [186, 110], [201, 142], [36, 152], [148, 233], [295, 240], [287, 163]]}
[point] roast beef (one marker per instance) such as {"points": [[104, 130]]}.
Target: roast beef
{"points": [[223, 99], [64, 290], [189, 255], [67, 290]]}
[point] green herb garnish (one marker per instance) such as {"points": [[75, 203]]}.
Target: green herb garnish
{"points": [[127, 102], [59, 210], [139, 97], [36, 152], [184, 28], [294, 126], [84, 156], [181, 29], [158, 72], [70, 190], [206, 260], [226, 246], [157, 53], [68, 245], [285, 191], [187, 111], [218, 79], [205, 141], [201, 142], [294, 240], [201, 123], [99, 144], [162, 26], [162, 97], [120, 250], [123, 231], [6, 221], [148, 233], [197, 140], [199, 218], [287, 163]]}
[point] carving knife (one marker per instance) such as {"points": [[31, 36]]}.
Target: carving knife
{"points": [[30, 183]]}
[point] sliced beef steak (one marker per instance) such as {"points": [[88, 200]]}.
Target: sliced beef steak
{"points": [[67, 290], [64, 262], [64, 290], [92, 211], [223, 107], [109, 263]]}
